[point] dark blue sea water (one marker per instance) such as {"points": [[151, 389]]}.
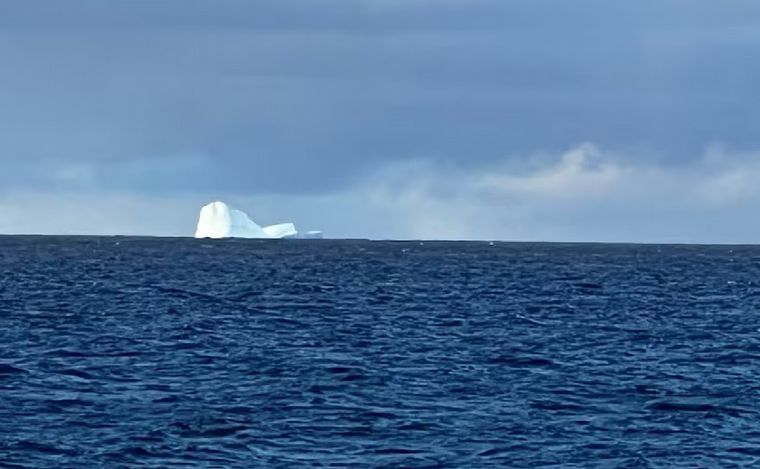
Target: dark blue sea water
{"points": [[126, 352]]}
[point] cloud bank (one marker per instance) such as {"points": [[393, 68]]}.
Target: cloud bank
{"points": [[583, 194]]}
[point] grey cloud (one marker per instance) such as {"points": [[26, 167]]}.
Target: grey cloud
{"points": [[314, 97], [583, 194]]}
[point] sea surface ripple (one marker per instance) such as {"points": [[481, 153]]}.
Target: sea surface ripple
{"points": [[149, 352]]}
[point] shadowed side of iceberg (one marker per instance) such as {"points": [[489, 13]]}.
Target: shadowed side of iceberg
{"points": [[283, 230]]}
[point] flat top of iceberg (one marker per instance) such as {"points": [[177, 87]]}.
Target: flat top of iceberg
{"points": [[219, 220]]}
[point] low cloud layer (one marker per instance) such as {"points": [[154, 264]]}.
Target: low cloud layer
{"points": [[583, 194]]}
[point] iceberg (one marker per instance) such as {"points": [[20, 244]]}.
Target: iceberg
{"points": [[218, 220]]}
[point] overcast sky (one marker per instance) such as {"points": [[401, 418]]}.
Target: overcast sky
{"points": [[554, 120]]}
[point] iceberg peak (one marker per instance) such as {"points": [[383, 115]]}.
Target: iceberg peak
{"points": [[218, 220]]}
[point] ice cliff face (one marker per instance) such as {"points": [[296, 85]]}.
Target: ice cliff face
{"points": [[218, 220]]}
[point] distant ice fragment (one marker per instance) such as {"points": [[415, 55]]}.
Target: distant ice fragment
{"points": [[218, 220], [310, 235]]}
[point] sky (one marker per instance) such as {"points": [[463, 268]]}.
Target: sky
{"points": [[528, 120]]}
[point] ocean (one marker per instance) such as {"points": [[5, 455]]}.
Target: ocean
{"points": [[159, 352]]}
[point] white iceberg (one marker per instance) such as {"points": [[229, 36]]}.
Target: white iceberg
{"points": [[218, 220]]}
